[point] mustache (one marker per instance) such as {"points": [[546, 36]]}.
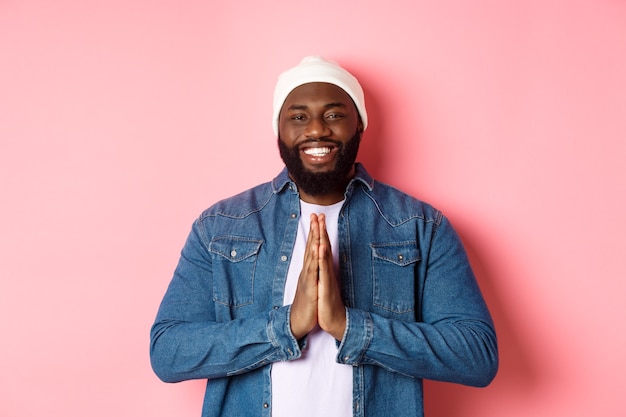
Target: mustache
{"points": [[320, 141]]}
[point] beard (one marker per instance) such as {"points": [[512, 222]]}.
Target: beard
{"points": [[320, 183]]}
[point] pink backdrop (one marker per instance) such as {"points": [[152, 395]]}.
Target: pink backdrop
{"points": [[120, 121]]}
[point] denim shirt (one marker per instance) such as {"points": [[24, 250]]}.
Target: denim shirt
{"points": [[414, 309]]}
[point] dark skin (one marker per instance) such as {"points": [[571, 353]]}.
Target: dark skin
{"points": [[310, 114]]}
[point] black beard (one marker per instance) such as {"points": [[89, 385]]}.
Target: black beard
{"points": [[321, 183]]}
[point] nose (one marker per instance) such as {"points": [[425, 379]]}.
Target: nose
{"points": [[317, 128]]}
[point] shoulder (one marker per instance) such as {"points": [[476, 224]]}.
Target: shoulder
{"points": [[250, 201], [395, 206], [242, 204], [398, 207]]}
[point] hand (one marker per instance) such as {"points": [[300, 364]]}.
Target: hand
{"points": [[318, 297], [331, 313], [304, 308]]}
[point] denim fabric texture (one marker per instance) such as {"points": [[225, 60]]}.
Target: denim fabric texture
{"points": [[414, 309]]}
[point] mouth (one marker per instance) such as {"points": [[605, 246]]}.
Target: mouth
{"points": [[318, 152]]}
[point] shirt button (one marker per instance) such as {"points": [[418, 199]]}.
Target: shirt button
{"points": [[233, 253], [266, 405], [293, 215], [283, 258], [400, 257]]}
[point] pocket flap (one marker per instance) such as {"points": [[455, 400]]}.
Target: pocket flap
{"points": [[234, 248], [401, 254]]}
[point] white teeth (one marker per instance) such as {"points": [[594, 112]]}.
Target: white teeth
{"points": [[317, 151]]}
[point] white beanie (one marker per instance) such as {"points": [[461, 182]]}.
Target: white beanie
{"points": [[315, 69]]}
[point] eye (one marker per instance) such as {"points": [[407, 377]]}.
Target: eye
{"points": [[297, 117], [334, 116]]}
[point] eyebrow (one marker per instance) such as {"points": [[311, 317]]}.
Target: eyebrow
{"points": [[326, 106]]}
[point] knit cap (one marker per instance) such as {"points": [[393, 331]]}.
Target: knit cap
{"points": [[315, 69]]}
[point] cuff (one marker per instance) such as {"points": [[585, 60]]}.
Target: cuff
{"points": [[279, 332], [356, 338]]}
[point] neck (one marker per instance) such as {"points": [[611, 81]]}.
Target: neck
{"points": [[322, 200]]}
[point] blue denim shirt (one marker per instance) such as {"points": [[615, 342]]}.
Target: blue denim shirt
{"points": [[414, 309]]}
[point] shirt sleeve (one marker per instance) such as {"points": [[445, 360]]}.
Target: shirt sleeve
{"points": [[188, 342], [454, 340]]}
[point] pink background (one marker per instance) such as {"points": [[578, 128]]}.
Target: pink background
{"points": [[121, 120]]}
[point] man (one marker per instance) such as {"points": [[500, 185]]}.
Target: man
{"points": [[323, 292]]}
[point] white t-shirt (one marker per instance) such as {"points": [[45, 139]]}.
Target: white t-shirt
{"points": [[314, 385]]}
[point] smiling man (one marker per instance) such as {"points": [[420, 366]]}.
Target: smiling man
{"points": [[320, 132], [323, 292]]}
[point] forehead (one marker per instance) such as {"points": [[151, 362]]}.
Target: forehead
{"points": [[312, 94]]}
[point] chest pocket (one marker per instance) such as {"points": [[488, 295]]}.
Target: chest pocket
{"points": [[234, 263], [394, 276]]}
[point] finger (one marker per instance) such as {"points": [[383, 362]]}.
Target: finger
{"points": [[314, 232], [311, 247], [325, 249], [328, 284], [325, 261]]}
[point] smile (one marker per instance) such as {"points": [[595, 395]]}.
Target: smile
{"points": [[317, 151]]}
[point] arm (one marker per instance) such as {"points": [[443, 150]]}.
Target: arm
{"points": [[455, 341], [188, 342]]}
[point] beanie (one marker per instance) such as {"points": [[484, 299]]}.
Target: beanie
{"points": [[315, 69]]}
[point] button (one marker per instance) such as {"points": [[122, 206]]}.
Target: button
{"points": [[233, 253], [266, 405], [400, 257], [283, 258], [293, 215]]}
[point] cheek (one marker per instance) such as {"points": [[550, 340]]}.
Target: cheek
{"points": [[290, 136], [348, 131], [351, 126], [285, 142], [285, 132]]}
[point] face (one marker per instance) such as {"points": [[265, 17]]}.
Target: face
{"points": [[319, 135]]}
